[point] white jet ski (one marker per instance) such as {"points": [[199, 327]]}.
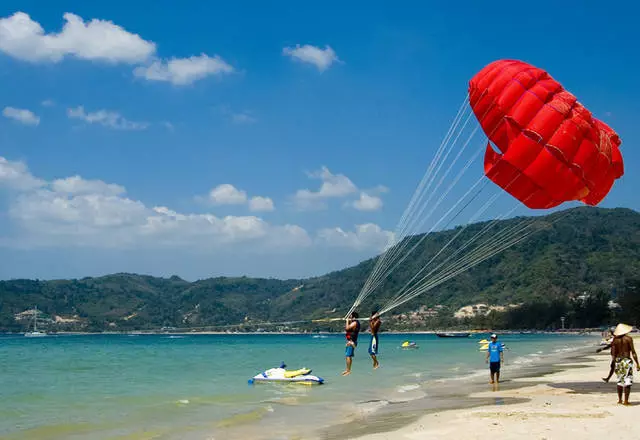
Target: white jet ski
{"points": [[281, 374]]}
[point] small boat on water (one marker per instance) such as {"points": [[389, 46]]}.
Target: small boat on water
{"points": [[281, 374], [409, 344], [453, 335], [35, 333]]}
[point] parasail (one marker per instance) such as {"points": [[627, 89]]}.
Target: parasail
{"points": [[552, 150], [542, 147]]}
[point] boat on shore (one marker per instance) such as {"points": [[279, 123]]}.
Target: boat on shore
{"points": [[453, 335]]}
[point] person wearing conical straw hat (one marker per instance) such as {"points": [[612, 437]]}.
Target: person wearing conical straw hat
{"points": [[621, 352]]}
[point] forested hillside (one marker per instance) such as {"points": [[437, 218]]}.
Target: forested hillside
{"points": [[587, 249]]}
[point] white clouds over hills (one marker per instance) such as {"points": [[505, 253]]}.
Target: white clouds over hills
{"points": [[74, 211]]}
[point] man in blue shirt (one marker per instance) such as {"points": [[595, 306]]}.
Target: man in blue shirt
{"points": [[495, 357]]}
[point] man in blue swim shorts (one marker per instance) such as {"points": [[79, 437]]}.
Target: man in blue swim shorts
{"points": [[495, 357], [352, 328], [374, 326]]}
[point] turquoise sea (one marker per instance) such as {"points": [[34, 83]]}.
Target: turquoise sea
{"points": [[196, 386]]}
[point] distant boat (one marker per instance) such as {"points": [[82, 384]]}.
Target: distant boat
{"points": [[35, 333], [453, 335]]}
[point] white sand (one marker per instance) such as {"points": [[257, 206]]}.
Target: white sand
{"points": [[574, 404]]}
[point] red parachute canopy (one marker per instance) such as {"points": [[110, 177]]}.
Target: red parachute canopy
{"points": [[552, 150]]}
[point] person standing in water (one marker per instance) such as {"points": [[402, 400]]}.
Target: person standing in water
{"points": [[374, 326], [352, 328], [495, 357], [621, 352]]}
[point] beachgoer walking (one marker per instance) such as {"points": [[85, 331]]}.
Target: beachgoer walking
{"points": [[495, 357], [622, 350], [374, 326], [352, 328], [612, 366]]}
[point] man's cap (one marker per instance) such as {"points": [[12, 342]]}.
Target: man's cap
{"points": [[494, 335]]}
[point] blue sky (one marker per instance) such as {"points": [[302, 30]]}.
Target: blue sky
{"points": [[194, 140]]}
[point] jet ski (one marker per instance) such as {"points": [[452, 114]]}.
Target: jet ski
{"points": [[281, 374], [409, 344]]}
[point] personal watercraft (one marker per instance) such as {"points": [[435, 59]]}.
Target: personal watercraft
{"points": [[281, 374]]}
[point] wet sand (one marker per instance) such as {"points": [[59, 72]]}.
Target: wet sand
{"points": [[564, 400]]}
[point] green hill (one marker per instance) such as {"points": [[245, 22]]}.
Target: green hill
{"points": [[587, 249]]}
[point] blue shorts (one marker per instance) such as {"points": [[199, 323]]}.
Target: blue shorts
{"points": [[373, 345], [350, 350]]}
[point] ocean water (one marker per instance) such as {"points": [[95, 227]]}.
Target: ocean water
{"points": [[196, 386]]}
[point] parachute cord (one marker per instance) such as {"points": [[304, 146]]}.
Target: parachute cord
{"points": [[484, 248], [392, 250], [424, 236], [513, 236], [375, 279], [478, 213], [427, 180], [416, 198], [451, 275]]}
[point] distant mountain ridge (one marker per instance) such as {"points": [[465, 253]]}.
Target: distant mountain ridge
{"points": [[589, 248]]}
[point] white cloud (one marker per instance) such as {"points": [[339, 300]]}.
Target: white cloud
{"points": [[184, 71], [96, 40], [15, 175], [321, 58], [243, 118], [259, 203], [333, 186], [48, 103], [227, 194], [367, 202], [106, 118], [365, 236], [78, 185], [23, 116], [78, 212]]}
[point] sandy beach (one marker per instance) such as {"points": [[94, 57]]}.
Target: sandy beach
{"points": [[574, 403]]}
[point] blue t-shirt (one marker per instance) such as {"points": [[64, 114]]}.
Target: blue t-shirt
{"points": [[495, 348]]}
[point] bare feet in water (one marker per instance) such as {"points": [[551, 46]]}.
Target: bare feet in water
{"points": [[346, 373]]}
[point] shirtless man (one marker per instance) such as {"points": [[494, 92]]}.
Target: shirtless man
{"points": [[352, 328], [374, 326], [621, 352]]}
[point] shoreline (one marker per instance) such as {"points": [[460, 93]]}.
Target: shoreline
{"points": [[563, 399], [580, 332], [394, 408]]}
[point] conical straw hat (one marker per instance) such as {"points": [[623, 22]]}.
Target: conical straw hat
{"points": [[622, 329]]}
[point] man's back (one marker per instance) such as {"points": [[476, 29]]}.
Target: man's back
{"points": [[622, 347]]}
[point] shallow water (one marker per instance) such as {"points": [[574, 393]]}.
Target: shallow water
{"points": [[195, 387]]}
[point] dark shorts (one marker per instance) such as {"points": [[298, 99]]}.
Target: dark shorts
{"points": [[494, 367]]}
